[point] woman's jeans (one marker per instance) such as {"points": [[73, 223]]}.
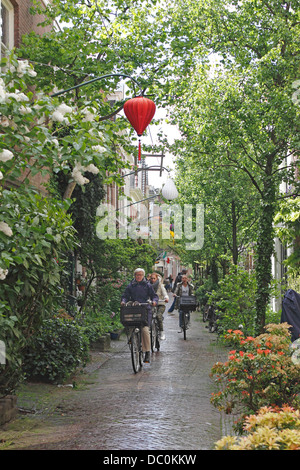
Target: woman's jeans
{"points": [[181, 313]]}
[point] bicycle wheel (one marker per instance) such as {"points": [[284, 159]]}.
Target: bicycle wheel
{"points": [[136, 350], [157, 340], [153, 335], [213, 323], [185, 319]]}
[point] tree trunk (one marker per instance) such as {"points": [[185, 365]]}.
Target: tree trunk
{"points": [[234, 233], [69, 190], [264, 251]]}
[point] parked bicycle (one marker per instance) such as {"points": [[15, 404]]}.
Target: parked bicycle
{"points": [[212, 318], [205, 307], [155, 331], [134, 318], [205, 311]]}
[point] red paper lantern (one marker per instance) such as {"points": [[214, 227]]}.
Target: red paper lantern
{"points": [[139, 112]]}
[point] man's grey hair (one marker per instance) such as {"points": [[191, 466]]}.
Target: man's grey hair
{"points": [[138, 270]]}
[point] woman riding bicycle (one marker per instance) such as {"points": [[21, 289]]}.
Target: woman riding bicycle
{"points": [[183, 288], [159, 288], [140, 290]]}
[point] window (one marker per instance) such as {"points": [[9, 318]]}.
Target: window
{"points": [[7, 30]]}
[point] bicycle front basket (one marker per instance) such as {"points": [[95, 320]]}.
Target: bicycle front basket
{"points": [[188, 301], [134, 315]]}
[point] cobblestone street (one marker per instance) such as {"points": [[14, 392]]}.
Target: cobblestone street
{"points": [[165, 406]]}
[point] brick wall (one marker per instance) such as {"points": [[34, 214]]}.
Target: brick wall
{"points": [[24, 22]]}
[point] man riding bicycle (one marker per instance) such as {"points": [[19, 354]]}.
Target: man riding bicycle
{"points": [[140, 290]]}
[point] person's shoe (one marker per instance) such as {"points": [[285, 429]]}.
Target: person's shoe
{"points": [[162, 336], [147, 357], [180, 331]]}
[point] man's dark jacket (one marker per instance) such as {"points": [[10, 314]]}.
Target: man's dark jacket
{"points": [[140, 292]]}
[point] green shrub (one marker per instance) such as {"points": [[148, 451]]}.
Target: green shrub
{"points": [[56, 352], [95, 325], [235, 301], [34, 258], [259, 372]]}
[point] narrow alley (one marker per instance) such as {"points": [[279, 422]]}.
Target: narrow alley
{"points": [[166, 406]]}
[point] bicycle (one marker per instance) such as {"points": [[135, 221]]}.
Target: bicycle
{"points": [[205, 311], [134, 318], [212, 319], [154, 331], [187, 304]]}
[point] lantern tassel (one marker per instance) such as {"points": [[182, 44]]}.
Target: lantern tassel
{"points": [[140, 150]]}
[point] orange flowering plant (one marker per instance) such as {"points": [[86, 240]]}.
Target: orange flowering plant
{"points": [[259, 372]]}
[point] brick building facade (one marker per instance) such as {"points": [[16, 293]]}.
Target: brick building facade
{"points": [[17, 20]]}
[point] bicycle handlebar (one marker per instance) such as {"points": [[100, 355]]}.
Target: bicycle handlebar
{"points": [[142, 304]]}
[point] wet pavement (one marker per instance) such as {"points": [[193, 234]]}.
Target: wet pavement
{"points": [[166, 406]]}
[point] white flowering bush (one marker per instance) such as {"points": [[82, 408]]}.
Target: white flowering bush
{"points": [[39, 135], [44, 134]]}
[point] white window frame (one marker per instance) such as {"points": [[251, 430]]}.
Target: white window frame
{"points": [[9, 7]]}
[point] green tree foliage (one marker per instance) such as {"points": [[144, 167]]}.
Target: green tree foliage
{"points": [[241, 114]]}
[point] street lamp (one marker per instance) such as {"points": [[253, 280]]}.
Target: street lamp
{"points": [[95, 80], [169, 190]]}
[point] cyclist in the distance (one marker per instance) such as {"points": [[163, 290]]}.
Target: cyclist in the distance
{"points": [[183, 288], [140, 290]]}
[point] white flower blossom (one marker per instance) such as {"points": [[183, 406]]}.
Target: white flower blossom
{"points": [[64, 108], [59, 113], [92, 169], [18, 96], [4, 227], [3, 273], [31, 72], [24, 67], [21, 96], [25, 110], [88, 114], [55, 142], [6, 155], [57, 116], [12, 95], [99, 148], [78, 176], [1, 175], [57, 238], [2, 94]]}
